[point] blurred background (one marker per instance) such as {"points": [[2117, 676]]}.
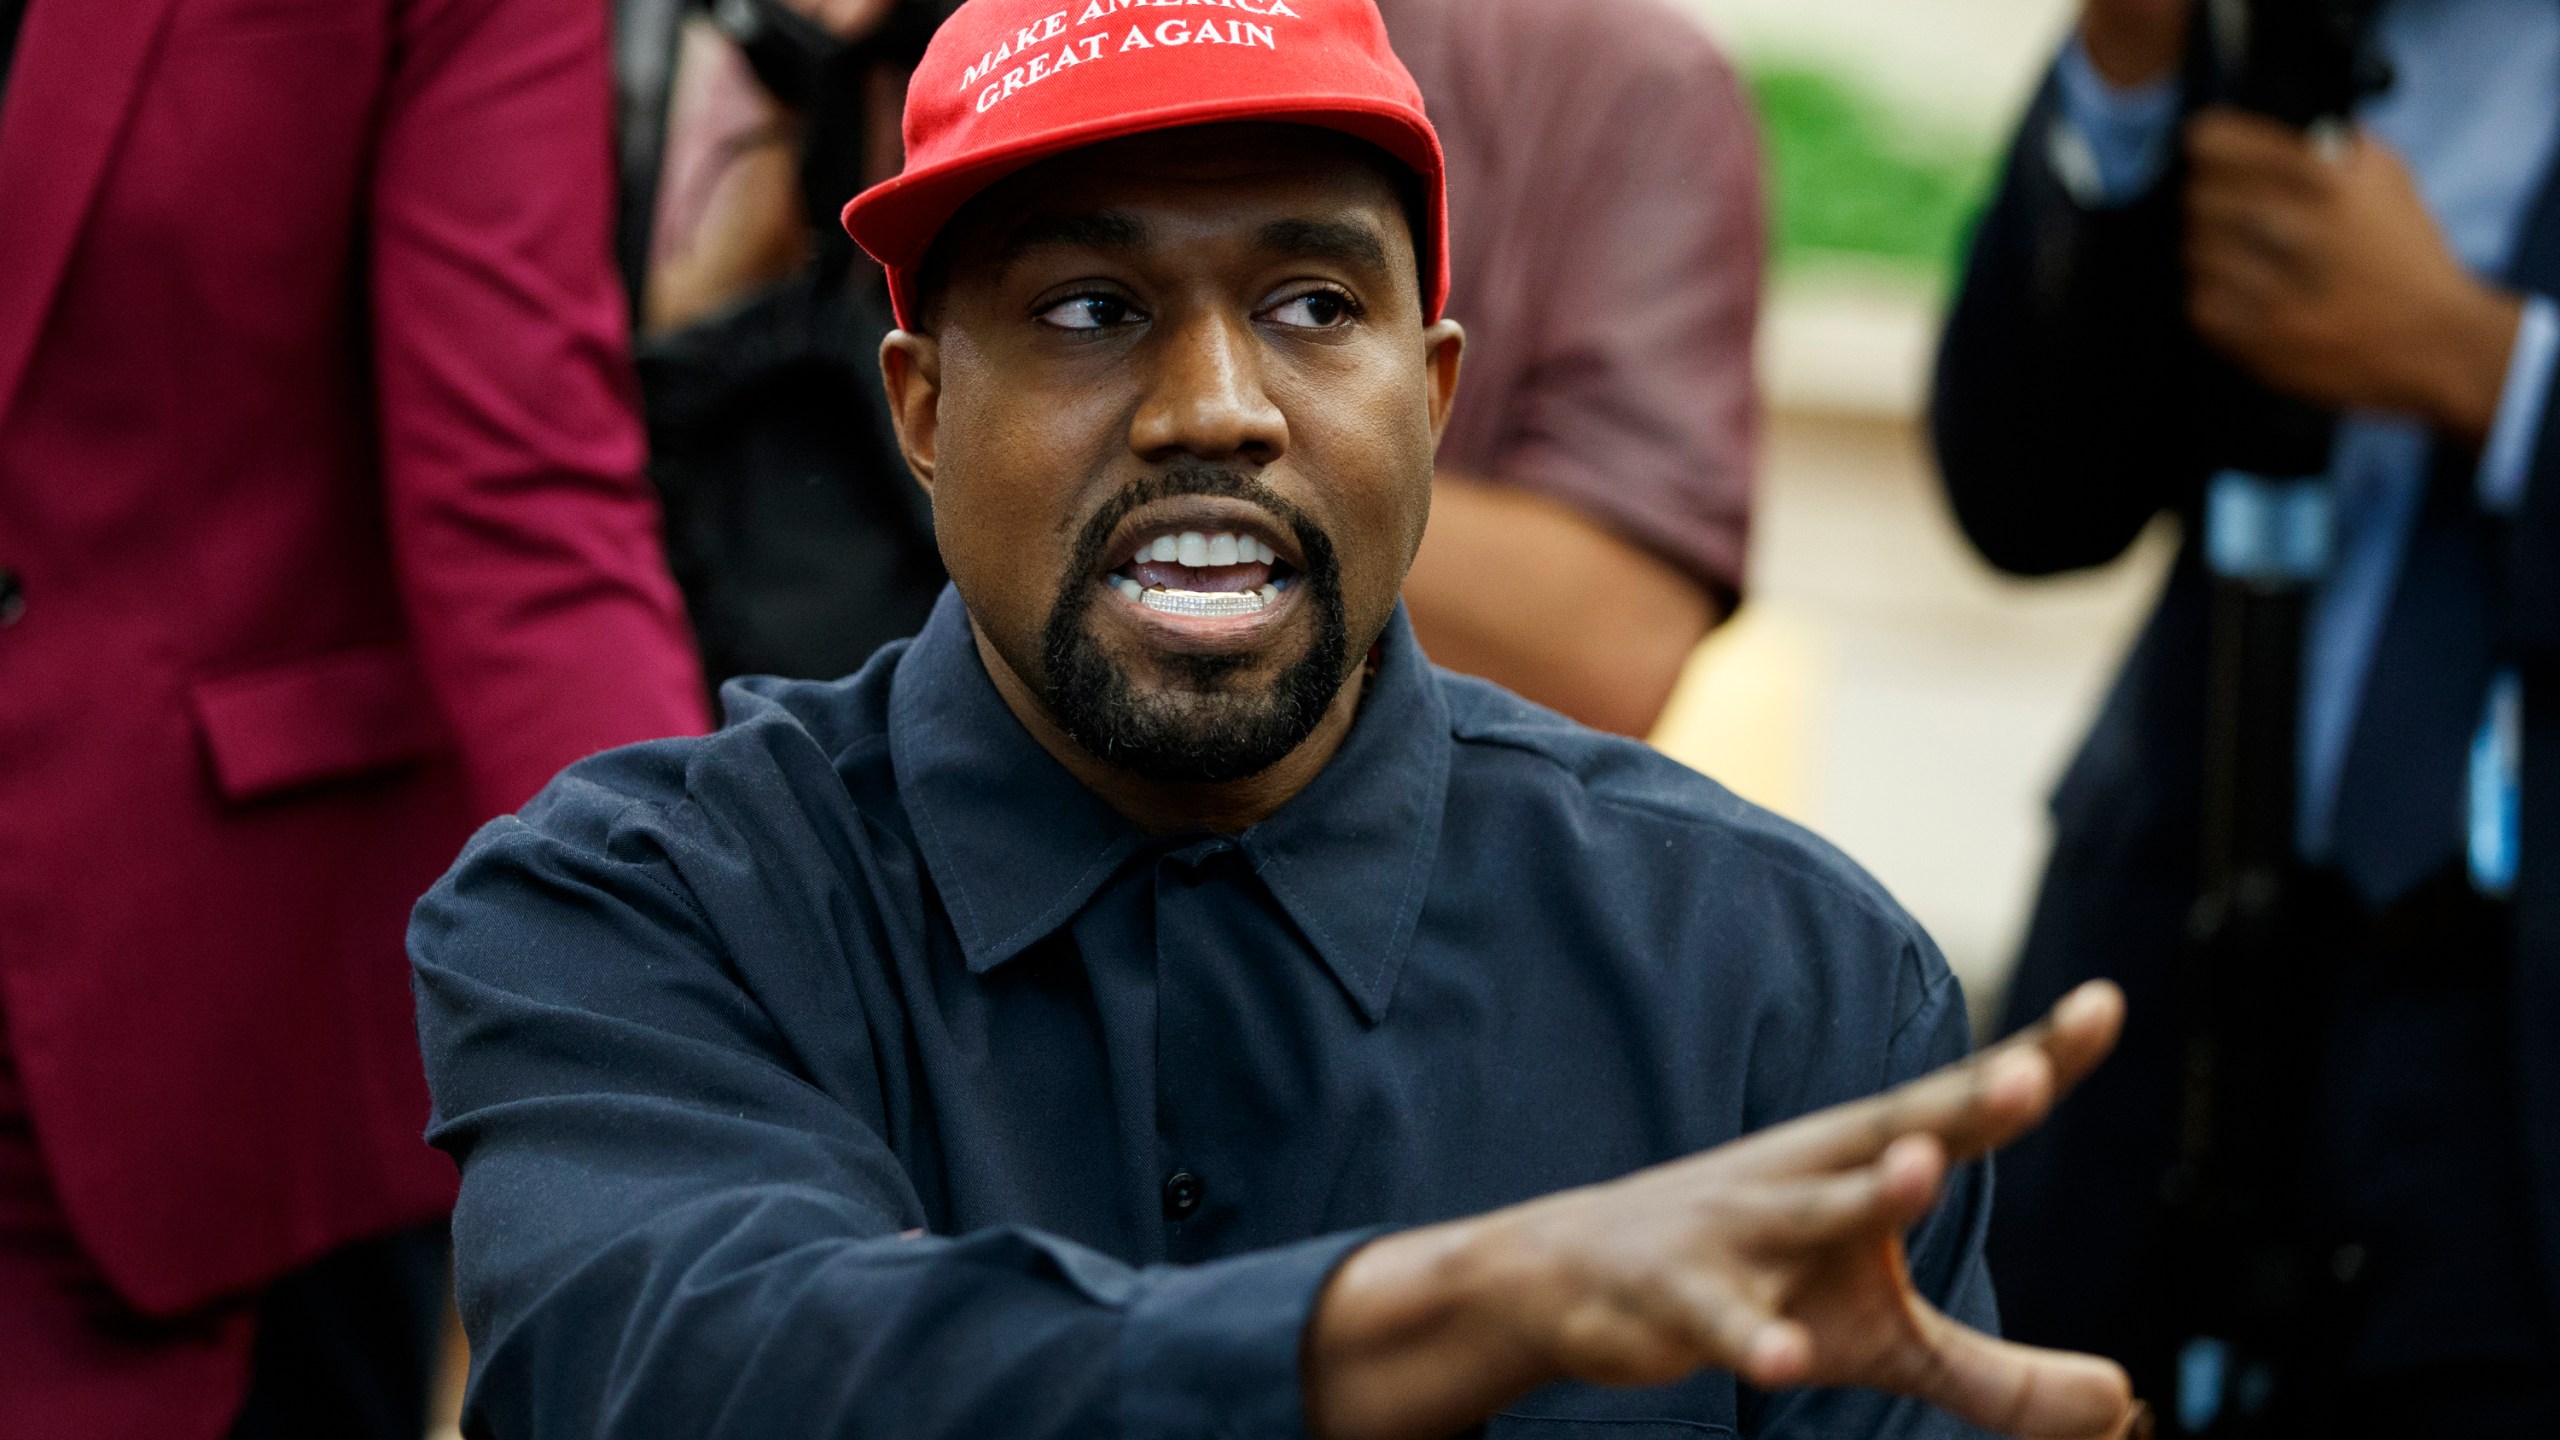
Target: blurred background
{"points": [[1883, 685]]}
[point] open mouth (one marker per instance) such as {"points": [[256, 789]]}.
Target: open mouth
{"points": [[1204, 575]]}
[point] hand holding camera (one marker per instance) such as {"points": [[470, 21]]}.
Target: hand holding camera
{"points": [[2319, 269], [2315, 264]]}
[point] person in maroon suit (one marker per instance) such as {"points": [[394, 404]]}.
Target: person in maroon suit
{"points": [[322, 538]]}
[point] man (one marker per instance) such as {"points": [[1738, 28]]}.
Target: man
{"points": [[1054, 1028], [2402, 277], [322, 538], [1600, 460]]}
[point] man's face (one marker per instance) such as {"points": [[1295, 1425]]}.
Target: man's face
{"points": [[1178, 413]]}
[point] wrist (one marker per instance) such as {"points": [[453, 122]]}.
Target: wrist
{"points": [[2466, 377], [1421, 1333]]}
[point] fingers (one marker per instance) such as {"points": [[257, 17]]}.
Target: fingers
{"points": [[2275, 229], [2228, 148], [1734, 1334], [1885, 1198], [2077, 1034], [1678, 1323], [2231, 297], [1971, 1107], [2018, 1389]]}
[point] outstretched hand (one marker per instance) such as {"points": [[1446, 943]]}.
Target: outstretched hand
{"points": [[1777, 1257]]}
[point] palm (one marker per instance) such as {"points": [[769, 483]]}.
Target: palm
{"points": [[1869, 1326]]}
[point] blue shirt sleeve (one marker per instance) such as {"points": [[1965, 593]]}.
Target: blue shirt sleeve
{"points": [[2110, 145], [2506, 463], [1945, 1252], [664, 1230]]}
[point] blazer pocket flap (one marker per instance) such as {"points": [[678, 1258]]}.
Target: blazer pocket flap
{"points": [[326, 718]]}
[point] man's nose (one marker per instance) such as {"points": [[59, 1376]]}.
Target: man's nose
{"points": [[1207, 398]]}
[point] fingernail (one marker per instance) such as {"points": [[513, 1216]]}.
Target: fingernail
{"points": [[2083, 1001]]}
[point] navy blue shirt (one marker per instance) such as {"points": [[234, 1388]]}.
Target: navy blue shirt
{"points": [[856, 1071]]}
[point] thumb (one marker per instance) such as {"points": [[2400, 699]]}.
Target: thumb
{"points": [[2020, 1390]]}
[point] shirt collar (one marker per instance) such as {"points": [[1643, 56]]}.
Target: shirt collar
{"points": [[1016, 845]]}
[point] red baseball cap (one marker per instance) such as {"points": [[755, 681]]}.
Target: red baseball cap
{"points": [[1007, 83]]}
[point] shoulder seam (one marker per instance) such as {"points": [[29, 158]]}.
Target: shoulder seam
{"points": [[1881, 906]]}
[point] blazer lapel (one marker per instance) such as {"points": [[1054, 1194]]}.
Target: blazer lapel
{"points": [[78, 65]]}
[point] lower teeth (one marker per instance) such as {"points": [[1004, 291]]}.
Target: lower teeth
{"points": [[1202, 604]]}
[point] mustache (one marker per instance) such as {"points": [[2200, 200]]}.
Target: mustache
{"points": [[1216, 733], [1204, 479]]}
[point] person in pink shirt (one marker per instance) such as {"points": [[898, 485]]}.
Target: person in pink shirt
{"points": [[1607, 244]]}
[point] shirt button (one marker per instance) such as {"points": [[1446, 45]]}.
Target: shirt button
{"points": [[1183, 1193], [13, 597]]}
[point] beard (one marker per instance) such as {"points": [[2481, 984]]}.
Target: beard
{"points": [[1209, 724]]}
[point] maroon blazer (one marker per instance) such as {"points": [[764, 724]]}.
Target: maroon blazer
{"points": [[320, 479]]}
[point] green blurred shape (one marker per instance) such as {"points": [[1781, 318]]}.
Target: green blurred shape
{"points": [[1846, 180]]}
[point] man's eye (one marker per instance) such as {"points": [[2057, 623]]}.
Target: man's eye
{"points": [[1316, 310], [1087, 312]]}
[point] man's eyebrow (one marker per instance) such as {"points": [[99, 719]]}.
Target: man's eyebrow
{"points": [[1324, 240], [1098, 230]]}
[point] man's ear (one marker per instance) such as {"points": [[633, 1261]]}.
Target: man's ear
{"points": [[1445, 344], [911, 371]]}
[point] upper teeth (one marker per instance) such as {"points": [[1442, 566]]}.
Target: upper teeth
{"points": [[1200, 551]]}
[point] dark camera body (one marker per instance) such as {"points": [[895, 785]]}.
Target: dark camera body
{"points": [[2299, 61]]}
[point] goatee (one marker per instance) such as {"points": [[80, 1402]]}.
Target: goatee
{"points": [[1203, 727]]}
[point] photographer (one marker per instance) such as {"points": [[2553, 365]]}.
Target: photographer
{"points": [[2397, 274]]}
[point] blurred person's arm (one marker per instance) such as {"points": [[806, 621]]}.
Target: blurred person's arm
{"points": [[730, 218], [2321, 274], [1535, 595], [525, 537], [2062, 385], [1608, 536], [2325, 276]]}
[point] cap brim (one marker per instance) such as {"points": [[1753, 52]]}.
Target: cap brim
{"points": [[898, 220]]}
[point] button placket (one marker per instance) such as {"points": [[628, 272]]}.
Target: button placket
{"points": [[1179, 872]]}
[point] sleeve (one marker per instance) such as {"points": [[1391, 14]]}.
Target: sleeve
{"points": [[1640, 406], [666, 1230], [2506, 462], [2067, 408], [526, 540], [1945, 1252], [2110, 145], [2520, 481]]}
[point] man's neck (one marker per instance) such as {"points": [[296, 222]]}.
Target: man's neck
{"points": [[1167, 807]]}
